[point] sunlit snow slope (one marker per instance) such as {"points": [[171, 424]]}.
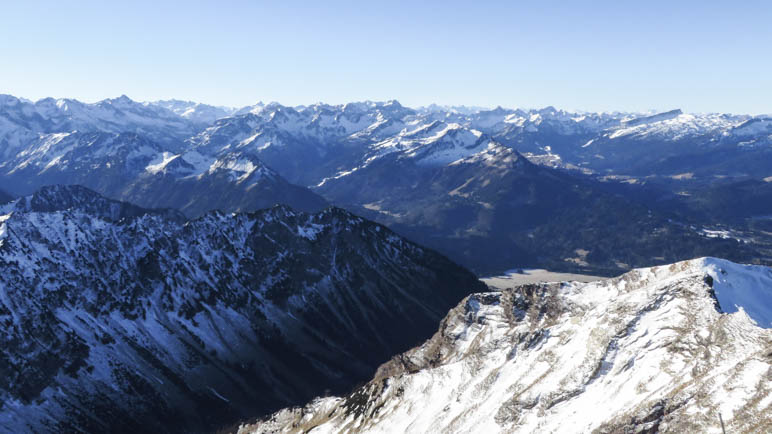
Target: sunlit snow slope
{"points": [[674, 348]]}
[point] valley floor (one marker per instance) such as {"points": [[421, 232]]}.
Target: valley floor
{"points": [[521, 276]]}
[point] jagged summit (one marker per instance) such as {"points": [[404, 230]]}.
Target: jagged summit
{"points": [[654, 350]]}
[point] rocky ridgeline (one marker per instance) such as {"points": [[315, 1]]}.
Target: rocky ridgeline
{"points": [[117, 318]]}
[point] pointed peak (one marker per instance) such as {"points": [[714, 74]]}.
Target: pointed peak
{"points": [[121, 100]]}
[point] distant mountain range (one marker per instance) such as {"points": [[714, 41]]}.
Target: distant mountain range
{"points": [[490, 188]]}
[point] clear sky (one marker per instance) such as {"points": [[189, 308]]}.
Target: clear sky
{"points": [[604, 55]]}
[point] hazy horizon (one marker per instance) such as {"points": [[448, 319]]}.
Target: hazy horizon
{"points": [[449, 106], [697, 56]]}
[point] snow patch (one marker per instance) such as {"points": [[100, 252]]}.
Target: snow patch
{"points": [[159, 163], [743, 287]]}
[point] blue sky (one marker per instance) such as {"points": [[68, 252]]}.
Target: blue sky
{"points": [[604, 55]]}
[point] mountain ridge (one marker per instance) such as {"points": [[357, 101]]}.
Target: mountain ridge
{"points": [[653, 350], [117, 319]]}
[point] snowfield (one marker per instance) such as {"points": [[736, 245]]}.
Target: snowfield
{"points": [[653, 350]]}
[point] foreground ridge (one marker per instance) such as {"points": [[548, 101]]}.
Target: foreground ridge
{"points": [[115, 318], [674, 348]]}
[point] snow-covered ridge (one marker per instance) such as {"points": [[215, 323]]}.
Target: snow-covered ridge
{"points": [[76, 198], [315, 144], [241, 168], [351, 136], [20, 119], [745, 288], [676, 125], [372, 127], [115, 318], [130, 166], [659, 117], [650, 351], [757, 126], [77, 151]]}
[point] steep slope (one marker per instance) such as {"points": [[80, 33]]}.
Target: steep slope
{"points": [[678, 348], [119, 319]]}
